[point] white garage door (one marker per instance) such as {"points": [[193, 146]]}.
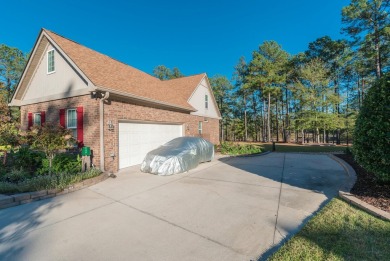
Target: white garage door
{"points": [[137, 139]]}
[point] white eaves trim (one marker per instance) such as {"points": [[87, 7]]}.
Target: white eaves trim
{"points": [[140, 98]]}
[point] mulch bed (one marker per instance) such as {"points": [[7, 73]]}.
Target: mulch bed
{"points": [[366, 188]]}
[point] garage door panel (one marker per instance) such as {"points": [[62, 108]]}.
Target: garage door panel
{"points": [[137, 139]]}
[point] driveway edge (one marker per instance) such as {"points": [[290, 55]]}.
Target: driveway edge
{"points": [[27, 197], [345, 194]]}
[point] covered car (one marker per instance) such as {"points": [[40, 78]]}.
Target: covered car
{"points": [[177, 156]]}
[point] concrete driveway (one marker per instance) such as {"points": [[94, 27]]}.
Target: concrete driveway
{"points": [[228, 209]]}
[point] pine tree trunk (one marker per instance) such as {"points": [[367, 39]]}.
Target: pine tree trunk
{"points": [[264, 120], [377, 54], [245, 120], [269, 117], [277, 122]]}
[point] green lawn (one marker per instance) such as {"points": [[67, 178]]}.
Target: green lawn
{"points": [[339, 232], [281, 147]]}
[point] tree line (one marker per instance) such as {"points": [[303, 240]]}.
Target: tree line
{"points": [[313, 96]]}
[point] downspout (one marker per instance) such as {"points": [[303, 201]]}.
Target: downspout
{"points": [[101, 113]]}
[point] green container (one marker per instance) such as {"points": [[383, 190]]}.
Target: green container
{"points": [[85, 151]]}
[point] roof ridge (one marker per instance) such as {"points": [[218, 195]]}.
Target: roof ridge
{"points": [[100, 53], [189, 76]]}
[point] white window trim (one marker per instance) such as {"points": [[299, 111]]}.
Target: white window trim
{"points": [[47, 62], [200, 128], [40, 119]]}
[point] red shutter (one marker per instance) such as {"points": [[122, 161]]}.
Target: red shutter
{"points": [[43, 117], [80, 127], [30, 120], [62, 117]]}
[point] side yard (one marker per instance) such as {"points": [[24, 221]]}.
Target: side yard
{"points": [[339, 232]]}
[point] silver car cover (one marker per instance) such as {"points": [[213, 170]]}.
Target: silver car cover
{"points": [[177, 156]]}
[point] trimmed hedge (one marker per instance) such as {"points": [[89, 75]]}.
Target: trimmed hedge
{"points": [[371, 146], [230, 148]]}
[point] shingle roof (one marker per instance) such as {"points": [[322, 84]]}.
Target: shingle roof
{"points": [[106, 72]]}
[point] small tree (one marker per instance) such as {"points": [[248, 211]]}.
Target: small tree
{"points": [[372, 131], [50, 139], [9, 138]]}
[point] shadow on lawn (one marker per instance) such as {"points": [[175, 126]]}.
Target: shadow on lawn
{"points": [[340, 232], [17, 222]]}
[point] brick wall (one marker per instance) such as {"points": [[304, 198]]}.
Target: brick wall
{"points": [[91, 118]]}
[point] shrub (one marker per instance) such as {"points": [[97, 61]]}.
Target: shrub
{"points": [[371, 146], [16, 175], [238, 149], [50, 138], [62, 163], [28, 159], [44, 182]]}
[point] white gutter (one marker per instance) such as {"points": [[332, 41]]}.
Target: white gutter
{"points": [[140, 98], [101, 113]]}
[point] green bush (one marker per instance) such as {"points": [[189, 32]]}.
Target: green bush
{"points": [[230, 148], [371, 146], [15, 175], [44, 182], [27, 159], [62, 163]]}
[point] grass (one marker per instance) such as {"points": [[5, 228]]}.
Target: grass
{"points": [[339, 232], [288, 147]]}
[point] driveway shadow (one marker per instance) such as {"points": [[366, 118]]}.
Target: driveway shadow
{"points": [[307, 182], [17, 222]]}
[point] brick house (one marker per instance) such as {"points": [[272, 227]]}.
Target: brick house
{"points": [[117, 110]]}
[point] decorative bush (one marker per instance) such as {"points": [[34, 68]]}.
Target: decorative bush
{"points": [[43, 182], [15, 175], [238, 149], [371, 146], [51, 139], [28, 159], [62, 163]]}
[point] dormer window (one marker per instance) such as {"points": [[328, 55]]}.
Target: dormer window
{"points": [[50, 62], [206, 101]]}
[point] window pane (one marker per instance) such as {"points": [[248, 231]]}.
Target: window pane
{"points": [[50, 61], [74, 134], [206, 101], [72, 119], [37, 119]]}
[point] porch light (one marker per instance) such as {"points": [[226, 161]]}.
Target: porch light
{"points": [[110, 125]]}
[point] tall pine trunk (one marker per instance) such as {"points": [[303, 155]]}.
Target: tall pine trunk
{"points": [[245, 120], [269, 117]]}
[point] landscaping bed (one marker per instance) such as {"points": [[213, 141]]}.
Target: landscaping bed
{"points": [[339, 232], [366, 187]]}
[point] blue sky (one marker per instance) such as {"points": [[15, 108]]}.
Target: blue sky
{"points": [[195, 36]]}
